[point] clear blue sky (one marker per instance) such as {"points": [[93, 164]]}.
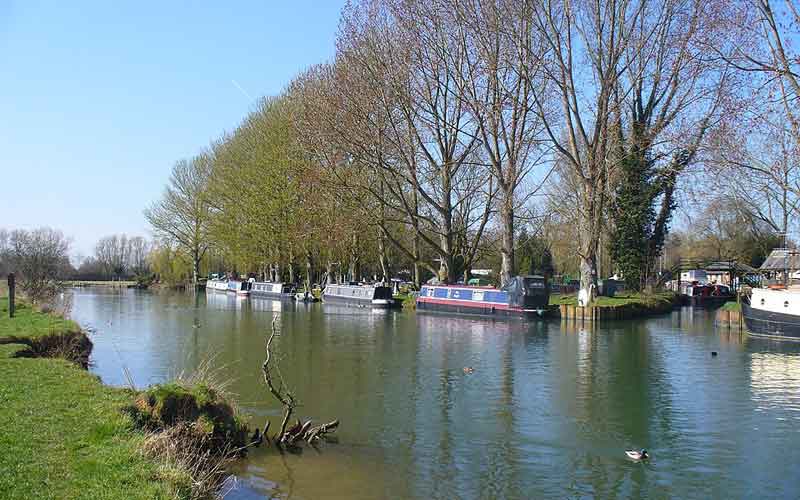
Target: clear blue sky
{"points": [[98, 99]]}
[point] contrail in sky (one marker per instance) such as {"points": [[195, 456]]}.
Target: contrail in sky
{"points": [[235, 84]]}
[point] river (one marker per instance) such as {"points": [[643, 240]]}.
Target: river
{"points": [[545, 412]]}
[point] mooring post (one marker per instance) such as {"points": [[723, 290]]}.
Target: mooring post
{"points": [[11, 288]]}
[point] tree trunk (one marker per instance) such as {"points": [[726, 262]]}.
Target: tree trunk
{"points": [[308, 271], [507, 249], [382, 259], [195, 267], [329, 272], [588, 268]]}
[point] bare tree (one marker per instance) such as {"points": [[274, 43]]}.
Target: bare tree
{"points": [[502, 79], [632, 81], [40, 259], [182, 213]]}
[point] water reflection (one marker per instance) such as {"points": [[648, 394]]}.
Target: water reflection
{"points": [[543, 410]]}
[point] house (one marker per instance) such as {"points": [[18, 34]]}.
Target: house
{"points": [[727, 272]]}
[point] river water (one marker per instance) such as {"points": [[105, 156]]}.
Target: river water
{"points": [[546, 411]]}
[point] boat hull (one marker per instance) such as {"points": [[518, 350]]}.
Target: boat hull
{"points": [[272, 295], [707, 301], [769, 324], [362, 302], [485, 311]]}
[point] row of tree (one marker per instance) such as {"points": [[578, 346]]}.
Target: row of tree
{"points": [[443, 129]]}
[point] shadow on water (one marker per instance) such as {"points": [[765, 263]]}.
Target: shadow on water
{"points": [[440, 407]]}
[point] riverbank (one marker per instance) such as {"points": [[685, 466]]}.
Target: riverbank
{"points": [[109, 284], [621, 306], [65, 434]]}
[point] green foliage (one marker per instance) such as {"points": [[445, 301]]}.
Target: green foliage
{"points": [[533, 255], [638, 234]]}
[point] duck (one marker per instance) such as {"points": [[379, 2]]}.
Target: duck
{"points": [[714, 353], [637, 455], [468, 369]]}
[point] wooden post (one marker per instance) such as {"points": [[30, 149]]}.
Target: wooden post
{"points": [[11, 292]]}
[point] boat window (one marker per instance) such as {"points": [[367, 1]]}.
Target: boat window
{"points": [[762, 302], [786, 304]]}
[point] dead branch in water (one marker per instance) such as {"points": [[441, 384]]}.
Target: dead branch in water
{"points": [[280, 391]]}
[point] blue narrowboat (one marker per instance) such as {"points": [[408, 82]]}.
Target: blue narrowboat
{"points": [[523, 296]]}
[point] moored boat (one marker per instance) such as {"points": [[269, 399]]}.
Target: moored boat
{"points": [[217, 285], [273, 290], [773, 313], [357, 294], [241, 288], [523, 296], [706, 295]]}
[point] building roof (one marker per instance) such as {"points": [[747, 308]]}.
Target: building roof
{"points": [[781, 258], [728, 266]]}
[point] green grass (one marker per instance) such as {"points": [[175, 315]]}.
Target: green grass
{"points": [[31, 323], [64, 434], [620, 299], [731, 306]]}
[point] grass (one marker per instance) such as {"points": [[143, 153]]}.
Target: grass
{"points": [[64, 433], [621, 299], [31, 323], [731, 306]]}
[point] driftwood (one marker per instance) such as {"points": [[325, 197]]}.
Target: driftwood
{"points": [[298, 432]]}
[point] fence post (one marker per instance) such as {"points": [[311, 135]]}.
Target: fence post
{"points": [[11, 291]]}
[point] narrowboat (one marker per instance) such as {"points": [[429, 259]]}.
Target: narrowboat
{"points": [[241, 288], [273, 290], [708, 295], [524, 296], [773, 313], [357, 294], [217, 285]]}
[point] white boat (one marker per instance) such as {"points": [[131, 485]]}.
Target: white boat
{"points": [[217, 285], [274, 290], [241, 288], [773, 312], [367, 295]]}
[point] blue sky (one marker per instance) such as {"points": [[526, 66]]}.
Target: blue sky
{"points": [[98, 99]]}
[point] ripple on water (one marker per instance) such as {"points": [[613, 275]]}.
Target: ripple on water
{"points": [[546, 411]]}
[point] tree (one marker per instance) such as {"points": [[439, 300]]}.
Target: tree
{"points": [[647, 95], [40, 260], [502, 78], [182, 214]]}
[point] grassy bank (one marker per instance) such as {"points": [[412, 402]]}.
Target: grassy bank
{"points": [[66, 435], [622, 299], [621, 306], [731, 306]]}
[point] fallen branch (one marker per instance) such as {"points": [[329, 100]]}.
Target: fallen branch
{"points": [[274, 381]]}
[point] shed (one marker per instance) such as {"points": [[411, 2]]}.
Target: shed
{"points": [[780, 259]]}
